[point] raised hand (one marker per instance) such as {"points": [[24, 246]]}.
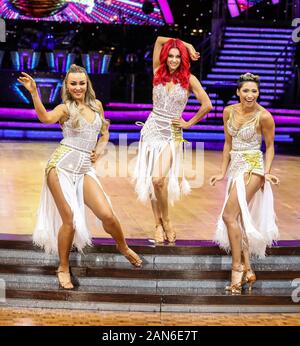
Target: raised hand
{"points": [[28, 82], [192, 52]]}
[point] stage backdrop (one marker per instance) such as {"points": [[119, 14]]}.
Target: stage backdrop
{"points": [[154, 12], [49, 86]]}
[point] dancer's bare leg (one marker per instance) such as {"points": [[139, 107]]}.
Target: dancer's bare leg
{"points": [[160, 181], [66, 231], [156, 212], [160, 184], [230, 217], [245, 253], [96, 200]]}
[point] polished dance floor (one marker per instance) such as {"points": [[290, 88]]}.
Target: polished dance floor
{"points": [[194, 217]]}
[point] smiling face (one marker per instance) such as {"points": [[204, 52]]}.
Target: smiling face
{"points": [[174, 59], [248, 94], [77, 85]]}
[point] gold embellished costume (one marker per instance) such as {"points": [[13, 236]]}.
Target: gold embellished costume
{"points": [[157, 134], [258, 219], [71, 161]]}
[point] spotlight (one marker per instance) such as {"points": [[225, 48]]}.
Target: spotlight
{"points": [[147, 7]]}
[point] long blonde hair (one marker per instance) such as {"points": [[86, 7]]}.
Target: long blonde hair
{"points": [[90, 99]]}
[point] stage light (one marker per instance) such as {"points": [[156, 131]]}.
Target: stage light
{"points": [[37, 8], [24, 59], [147, 7]]}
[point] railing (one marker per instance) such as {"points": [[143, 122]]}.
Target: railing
{"points": [[209, 46], [283, 62], [285, 9]]}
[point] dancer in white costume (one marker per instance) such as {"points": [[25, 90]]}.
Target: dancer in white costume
{"points": [[247, 222], [70, 180], [160, 158]]}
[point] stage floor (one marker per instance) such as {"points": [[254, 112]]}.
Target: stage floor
{"points": [[194, 217]]}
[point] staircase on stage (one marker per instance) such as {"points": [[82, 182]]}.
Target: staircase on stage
{"points": [[188, 277]]}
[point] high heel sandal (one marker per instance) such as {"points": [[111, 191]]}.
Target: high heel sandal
{"points": [[249, 278], [159, 234], [169, 231], [237, 287], [132, 257], [74, 279], [64, 280]]}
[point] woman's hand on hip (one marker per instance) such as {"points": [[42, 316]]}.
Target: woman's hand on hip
{"points": [[181, 123]]}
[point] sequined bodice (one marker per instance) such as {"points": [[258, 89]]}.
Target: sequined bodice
{"points": [[246, 136], [170, 102], [85, 136]]}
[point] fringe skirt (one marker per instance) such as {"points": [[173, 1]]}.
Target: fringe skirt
{"points": [[258, 219], [48, 222], [157, 135]]}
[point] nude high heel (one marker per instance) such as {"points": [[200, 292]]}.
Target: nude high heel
{"points": [[169, 231], [236, 288], [131, 256], [64, 280], [249, 278], [159, 234]]}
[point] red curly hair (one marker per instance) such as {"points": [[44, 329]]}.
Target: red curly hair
{"points": [[182, 74]]}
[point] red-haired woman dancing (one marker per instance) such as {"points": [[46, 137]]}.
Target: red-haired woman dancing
{"points": [[160, 160]]}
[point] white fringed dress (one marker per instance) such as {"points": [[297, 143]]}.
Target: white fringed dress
{"points": [[158, 133], [258, 219], [72, 162]]}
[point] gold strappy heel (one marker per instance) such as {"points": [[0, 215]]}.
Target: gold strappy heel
{"points": [[169, 231], [132, 257], [249, 278], [237, 287], [64, 280], [159, 234]]}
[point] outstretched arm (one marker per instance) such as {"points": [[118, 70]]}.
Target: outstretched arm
{"points": [[45, 117], [160, 41], [203, 98]]}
